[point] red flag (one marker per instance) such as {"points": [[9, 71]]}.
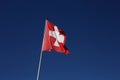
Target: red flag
{"points": [[54, 39]]}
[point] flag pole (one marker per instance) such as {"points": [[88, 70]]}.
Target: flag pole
{"points": [[41, 54]]}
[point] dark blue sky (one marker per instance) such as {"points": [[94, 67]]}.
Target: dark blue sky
{"points": [[93, 37]]}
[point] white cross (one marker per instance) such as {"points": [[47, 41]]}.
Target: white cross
{"points": [[56, 34]]}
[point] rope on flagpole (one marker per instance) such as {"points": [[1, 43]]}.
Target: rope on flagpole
{"points": [[41, 54]]}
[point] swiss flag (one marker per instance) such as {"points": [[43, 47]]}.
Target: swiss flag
{"points": [[54, 39]]}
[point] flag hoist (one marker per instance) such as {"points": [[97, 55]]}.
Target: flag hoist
{"points": [[53, 39]]}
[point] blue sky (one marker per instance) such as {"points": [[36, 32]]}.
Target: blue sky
{"points": [[93, 38]]}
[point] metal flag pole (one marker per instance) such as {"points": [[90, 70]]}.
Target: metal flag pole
{"points": [[41, 54]]}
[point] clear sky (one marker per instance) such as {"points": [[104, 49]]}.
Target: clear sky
{"points": [[93, 38]]}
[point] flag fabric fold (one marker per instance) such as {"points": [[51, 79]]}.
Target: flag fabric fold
{"points": [[54, 39]]}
